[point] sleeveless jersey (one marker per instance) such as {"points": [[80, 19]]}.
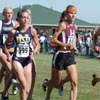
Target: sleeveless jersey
{"points": [[5, 29], [23, 42], [68, 35]]}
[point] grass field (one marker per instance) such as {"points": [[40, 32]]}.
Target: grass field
{"points": [[86, 67]]}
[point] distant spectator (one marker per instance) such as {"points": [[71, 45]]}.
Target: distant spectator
{"points": [[88, 44], [78, 45], [46, 43], [41, 39]]}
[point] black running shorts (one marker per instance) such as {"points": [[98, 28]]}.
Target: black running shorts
{"points": [[62, 60]]}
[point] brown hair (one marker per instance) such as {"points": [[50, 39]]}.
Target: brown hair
{"points": [[62, 17]]}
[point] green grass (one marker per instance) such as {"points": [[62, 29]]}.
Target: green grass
{"points": [[86, 67]]}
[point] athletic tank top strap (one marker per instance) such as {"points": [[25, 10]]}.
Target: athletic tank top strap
{"points": [[28, 31], [70, 26], [0, 26], [13, 23]]}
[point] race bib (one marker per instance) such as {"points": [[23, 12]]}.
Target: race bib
{"points": [[22, 50], [71, 36], [70, 39]]}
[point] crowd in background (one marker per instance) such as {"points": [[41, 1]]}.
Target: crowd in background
{"points": [[84, 43]]}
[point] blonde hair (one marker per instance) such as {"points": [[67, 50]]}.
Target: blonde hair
{"points": [[6, 9]]}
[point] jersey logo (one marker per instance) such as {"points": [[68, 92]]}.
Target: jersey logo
{"points": [[23, 39]]}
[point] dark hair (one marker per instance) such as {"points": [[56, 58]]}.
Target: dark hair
{"points": [[62, 17], [69, 6], [20, 12]]}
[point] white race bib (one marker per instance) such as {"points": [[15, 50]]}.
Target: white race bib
{"points": [[71, 37], [22, 50]]}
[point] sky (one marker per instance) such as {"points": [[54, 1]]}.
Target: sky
{"points": [[88, 10]]}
